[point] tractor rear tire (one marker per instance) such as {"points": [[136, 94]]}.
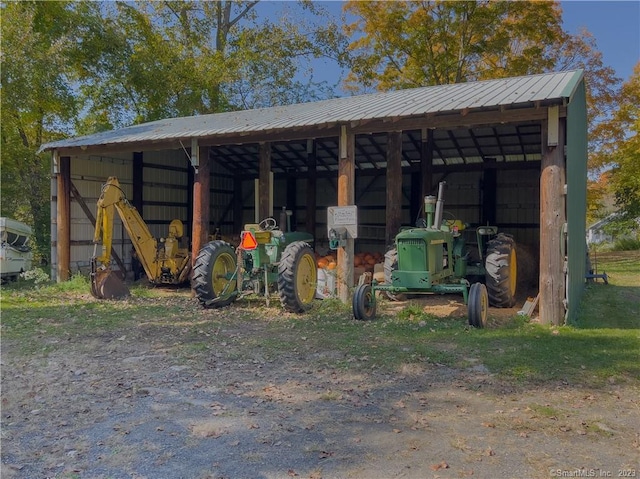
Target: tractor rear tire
{"points": [[390, 265], [297, 277], [364, 303], [501, 271], [215, 264], [478, 304]]}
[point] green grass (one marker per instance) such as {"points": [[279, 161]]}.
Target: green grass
{"points": [[617, 304], [601, 348]]}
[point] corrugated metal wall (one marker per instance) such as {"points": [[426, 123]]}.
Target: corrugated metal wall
{"points": [[517, 205], [165, 191], [222, 211], [165, 196], [88, 174]]}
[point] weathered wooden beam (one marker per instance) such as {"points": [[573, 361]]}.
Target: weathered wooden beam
{"points": [[346, 197], [455, 120], [394, 185], [552, 219], [63, 219], [201, 200]]}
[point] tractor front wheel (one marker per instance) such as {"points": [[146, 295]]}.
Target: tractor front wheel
{"points": [[214, 275], [501, 268], [297, 277], [478, 304], [364, 303], [390, 265]]}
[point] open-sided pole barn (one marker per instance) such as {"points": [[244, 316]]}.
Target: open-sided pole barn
{"points": [[513, 152]]}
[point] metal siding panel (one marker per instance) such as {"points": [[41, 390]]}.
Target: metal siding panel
{"points": [[166, 158], [88, 174]]}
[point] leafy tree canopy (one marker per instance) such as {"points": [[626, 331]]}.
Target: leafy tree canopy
{"points": [[624, 153], [71, 68], [407, 44]]}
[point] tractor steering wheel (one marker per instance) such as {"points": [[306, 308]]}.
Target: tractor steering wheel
{"points": [[267, 224]]}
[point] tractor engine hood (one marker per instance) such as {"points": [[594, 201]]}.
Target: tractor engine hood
{"points": [[428, 235]]}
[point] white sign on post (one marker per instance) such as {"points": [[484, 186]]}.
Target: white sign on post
{"points": [[345, 217]]}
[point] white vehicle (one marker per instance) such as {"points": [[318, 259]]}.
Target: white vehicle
{"points": [[15, 252]]}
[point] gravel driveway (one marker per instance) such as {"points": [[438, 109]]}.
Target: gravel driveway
{"points": [[203, 402]]}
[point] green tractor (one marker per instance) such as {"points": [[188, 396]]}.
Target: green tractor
{"points": [[267, 259], [436, 258]]}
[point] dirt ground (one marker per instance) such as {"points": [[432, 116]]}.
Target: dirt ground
{"points": [[130, 404]]}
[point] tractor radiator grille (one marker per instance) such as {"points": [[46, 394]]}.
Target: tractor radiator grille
{"points": [[411, 242], [412, 255]]}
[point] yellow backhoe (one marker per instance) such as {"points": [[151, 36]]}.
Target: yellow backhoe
{"points": [[163, 261]]}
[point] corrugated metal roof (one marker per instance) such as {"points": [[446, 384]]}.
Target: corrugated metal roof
{"points": [[394, 104]]}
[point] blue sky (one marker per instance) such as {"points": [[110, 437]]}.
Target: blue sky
{"points": [[615, 26]]}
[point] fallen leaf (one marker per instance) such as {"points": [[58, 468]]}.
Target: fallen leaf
{"points": [[440, 465]]}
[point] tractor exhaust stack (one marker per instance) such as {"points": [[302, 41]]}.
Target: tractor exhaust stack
{"points": [[437, 222]]}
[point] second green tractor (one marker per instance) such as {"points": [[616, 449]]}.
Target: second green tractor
{"points": [[435, 257]]}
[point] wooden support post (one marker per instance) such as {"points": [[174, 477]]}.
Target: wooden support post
{"points": [[346, 197], [264, 210], [311, 188], [552, 219], [394, 186], [63, 220], [201, 201]]}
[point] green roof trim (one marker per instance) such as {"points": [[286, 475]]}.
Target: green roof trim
{"points": [[570, 88]]}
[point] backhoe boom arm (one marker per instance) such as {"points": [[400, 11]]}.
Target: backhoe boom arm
{"points": [[163, 261]]}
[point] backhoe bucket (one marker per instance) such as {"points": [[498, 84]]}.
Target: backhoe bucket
{"points": [[105, 284]]}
